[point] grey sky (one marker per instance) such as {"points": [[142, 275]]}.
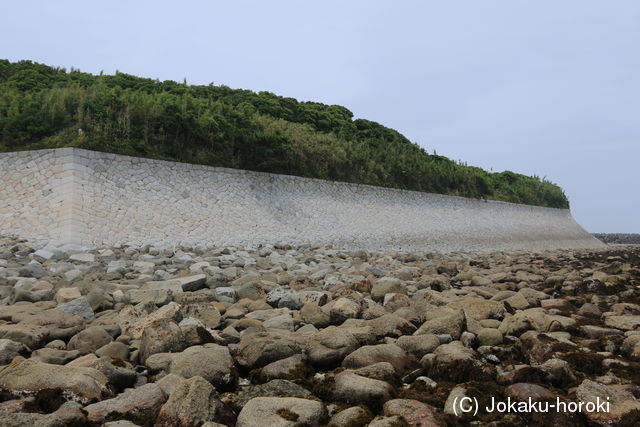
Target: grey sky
{"points": [[542, 87]]}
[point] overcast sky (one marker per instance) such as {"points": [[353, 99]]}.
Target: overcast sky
{"points": [[538, 87]]}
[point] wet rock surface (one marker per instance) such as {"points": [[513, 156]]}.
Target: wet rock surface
{"points": [[314, 336]]}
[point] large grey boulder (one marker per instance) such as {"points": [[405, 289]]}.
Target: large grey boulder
{"points": [[455, 362], [134, 320], [79, 307], [282, 412], [530, 319], [259, 349], [344, 308], [312, 314], [370, 354], [386, 285], [59, 325], [355, 416], [89, 340], [284, 297], [418, 345], [204, 312], [453, 324], [626, 322], [29, 376], [479, 308], [161, 336], [32, 336], [29, 420], [273, 388], [209, 361], [352, 388], [54, 356], [193, 402], [10, 349], [330, 346], [138, 405]]}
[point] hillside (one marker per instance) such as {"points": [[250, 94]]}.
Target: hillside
{"points": [[47, 107]]}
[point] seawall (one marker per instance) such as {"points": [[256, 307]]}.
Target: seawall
{"points": [[70, 195]]}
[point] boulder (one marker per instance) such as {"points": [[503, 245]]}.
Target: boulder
{"points": [[355, 416], [344, 308], [281, 412], [83, 257], [210, 361], [119, 377], [192, 283], [453, 324], [523, 391], [530, 319], [30, 376], [418, 345], [631, 347], [284, 321], [537, 348], [386, 285], [414, 412], [10, 349], [89, 340], [312, 314], [138, 405], [162, 336], [329, 346], [479, 308], [457, 363], [193, 402], [390, 325], [114, 350], [623, 403], [54, 356], [383, 371], [489, 336], [30, 420], [290, 368], [625, 322], [133, 320], [169, 383], [273, 388], [559, 373], [259, 349], [79, 307], [32, 336], [59, 325], [204, 312], [158, 297], [64, 295], [284, 297], [370, 354], [99, 299], [355, 389]]}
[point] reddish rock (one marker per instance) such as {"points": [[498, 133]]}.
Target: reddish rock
{"points": [[414, 412]]}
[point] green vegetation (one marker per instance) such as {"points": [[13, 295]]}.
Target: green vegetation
{"points": [[46, 107]]}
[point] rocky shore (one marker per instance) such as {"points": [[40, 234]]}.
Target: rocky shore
{"points": [[315, 336], [618, 238]]}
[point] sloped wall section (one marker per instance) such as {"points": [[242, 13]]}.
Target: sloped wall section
{"points": [[77, 196]]}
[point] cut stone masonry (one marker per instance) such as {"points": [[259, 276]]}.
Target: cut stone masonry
{"points": [[70, 195]]}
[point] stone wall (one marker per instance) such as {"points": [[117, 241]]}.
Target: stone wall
{"points": [[38, 195], [95, 199]]}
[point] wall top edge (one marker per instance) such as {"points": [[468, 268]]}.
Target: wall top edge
{"points": [[92, 154]]}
